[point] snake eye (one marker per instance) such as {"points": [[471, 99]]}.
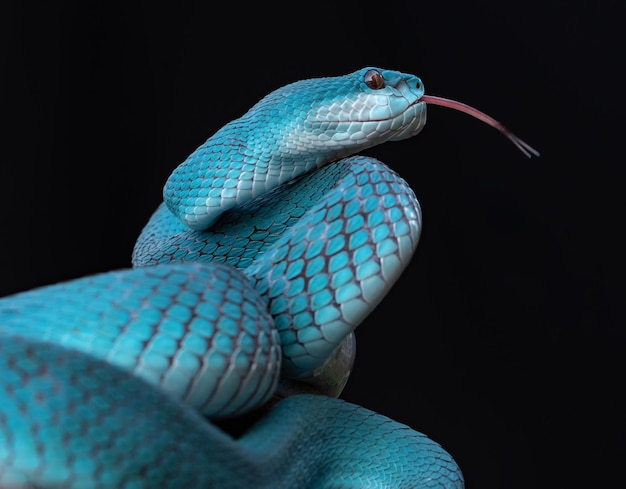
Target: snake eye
{"points": [[374, 79]]}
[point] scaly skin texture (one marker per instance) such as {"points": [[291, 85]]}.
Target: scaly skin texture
{"points": [[69, 420], [215, 348], [293, 130], [322, 251], [253, 272]]}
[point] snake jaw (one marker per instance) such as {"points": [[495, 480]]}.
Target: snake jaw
{"points": [[414, 120]]}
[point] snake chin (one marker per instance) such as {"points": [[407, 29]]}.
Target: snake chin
{"points": [[411, 121]]}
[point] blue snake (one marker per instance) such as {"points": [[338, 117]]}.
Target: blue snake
{"points": [[273, 243]]}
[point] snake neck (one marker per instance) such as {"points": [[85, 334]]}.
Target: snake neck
{"points": [[280, 150], [248, 157]]}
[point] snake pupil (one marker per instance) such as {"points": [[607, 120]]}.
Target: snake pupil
{"points": [[374, 79]]}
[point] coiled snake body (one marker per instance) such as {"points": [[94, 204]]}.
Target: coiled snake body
{"points": [[247, 282]]}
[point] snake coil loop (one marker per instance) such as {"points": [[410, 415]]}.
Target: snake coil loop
{"points": [[273, 243]]}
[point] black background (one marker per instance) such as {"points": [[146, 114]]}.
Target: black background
{"points": [[504, 340]]}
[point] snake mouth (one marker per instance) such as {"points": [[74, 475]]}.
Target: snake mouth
{"points": [[412, 104]]}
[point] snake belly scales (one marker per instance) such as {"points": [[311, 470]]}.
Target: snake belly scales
{"points": [[273, 242]]}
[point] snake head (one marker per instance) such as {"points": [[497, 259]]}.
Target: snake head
{"points": [[364, 109], [294, 130], [403, 93]]}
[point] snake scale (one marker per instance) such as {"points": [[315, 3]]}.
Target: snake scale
{"points": [[274, 241]]}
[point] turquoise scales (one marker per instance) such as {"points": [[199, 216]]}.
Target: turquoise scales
{"points": [[292, 131], [322, 251], [316, 252], [120, 433]]}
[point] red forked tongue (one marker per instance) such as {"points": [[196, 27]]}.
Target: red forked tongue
{"points": [[453, 104]]}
